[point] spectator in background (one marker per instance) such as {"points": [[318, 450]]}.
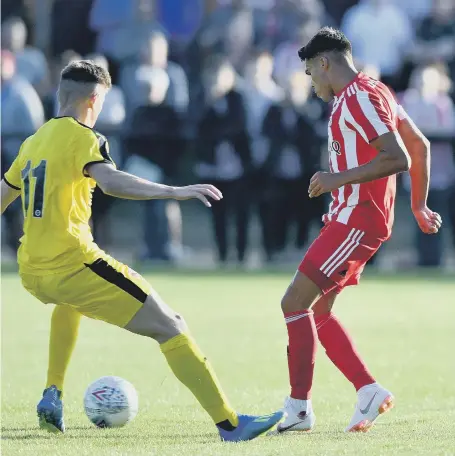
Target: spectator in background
{"points": [[70, 27], [122, 27], [224, 154], [293, 157], [286, 58], [154, 143], [22, 110], [234, 29], [338, 8], [436, 36], [416, 10], [267, 23], [228, 30], [181, 19], [261, 92], [381, 35], [154, 54], [212, 39], [428, 104], [31, 64], [22, 114], [286, 20], [17, 8]]}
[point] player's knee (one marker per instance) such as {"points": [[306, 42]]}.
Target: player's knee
{"points": [[291, 302], [180, 323], [169, 325], [324, 305], [300, 295], [157, 321], [166, 327]]}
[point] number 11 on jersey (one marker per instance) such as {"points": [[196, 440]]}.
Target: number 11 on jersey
{"points": [[39, 175]]}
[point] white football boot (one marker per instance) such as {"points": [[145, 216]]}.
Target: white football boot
{"points": [[372, 400], [298, 416]]}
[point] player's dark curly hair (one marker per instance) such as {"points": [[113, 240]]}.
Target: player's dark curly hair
{"points": [[86, 71], [327, 39]]}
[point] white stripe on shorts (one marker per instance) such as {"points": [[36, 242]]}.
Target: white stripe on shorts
{"points": [[342, 252], [347, 254]]}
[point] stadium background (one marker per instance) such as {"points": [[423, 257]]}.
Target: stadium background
{"points": [[166, 112]]}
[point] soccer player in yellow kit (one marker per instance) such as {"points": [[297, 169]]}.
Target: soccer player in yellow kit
{"points": [[55, 173]]}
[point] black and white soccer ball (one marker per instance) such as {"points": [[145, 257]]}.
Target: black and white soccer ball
{"points": [[111, 402]]}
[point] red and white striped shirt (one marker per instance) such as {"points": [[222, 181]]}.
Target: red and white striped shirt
{"points": [[364, 110]]}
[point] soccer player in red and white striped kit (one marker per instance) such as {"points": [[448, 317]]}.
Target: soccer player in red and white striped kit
{"points": [[371, 140]]}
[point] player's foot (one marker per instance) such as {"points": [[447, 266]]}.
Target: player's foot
{"points": [[299, 416], [372, 401], [50, 411], [250, 427]]}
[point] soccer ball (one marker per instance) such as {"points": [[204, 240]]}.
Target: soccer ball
{"points": [[111, 402]]}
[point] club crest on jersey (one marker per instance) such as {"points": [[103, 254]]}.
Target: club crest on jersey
{"points": [[335, 146]]}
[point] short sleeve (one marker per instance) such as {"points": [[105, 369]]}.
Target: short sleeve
{"points": [[401, 113], [13, 176], [93, 148], [371, 115]]}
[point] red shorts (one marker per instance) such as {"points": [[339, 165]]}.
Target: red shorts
{"points": [[338, 256]]}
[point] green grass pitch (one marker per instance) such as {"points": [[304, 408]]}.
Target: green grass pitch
{"points": [[404, 327]]}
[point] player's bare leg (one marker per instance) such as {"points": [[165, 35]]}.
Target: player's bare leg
{"points": [[296, 305], [158, 321], [65, 323], [373, 399]]}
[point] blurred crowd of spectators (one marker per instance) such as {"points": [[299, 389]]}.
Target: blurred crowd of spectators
{"points": [[216, 87]]}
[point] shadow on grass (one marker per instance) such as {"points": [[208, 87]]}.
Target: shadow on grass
{"points": [[78, 432], [24, 429]]}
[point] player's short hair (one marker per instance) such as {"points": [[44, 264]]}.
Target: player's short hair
{"points": [[80, 80], [86, 71], [327, 39]]}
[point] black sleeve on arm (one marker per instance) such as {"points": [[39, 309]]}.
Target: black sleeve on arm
{"points": [[103, 146], [240, 129], [273, 131]]}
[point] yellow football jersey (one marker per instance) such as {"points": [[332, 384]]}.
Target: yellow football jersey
{"points": [[56, 192]]}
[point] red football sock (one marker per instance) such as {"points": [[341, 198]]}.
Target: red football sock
{"points": [[341, 350], [301, 352]]}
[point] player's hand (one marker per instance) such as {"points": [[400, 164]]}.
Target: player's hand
{"points": [[323, 182], [429, 222], [202, 192]]}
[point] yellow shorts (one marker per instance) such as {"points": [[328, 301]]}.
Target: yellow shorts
{"points": [[104, 290]]}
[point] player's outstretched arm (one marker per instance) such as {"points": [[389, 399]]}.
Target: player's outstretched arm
{"points": [[419, 150], [392, 158], [9, 194], [123, 185]]}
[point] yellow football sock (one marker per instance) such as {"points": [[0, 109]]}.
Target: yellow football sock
{"points": [[64, 330], [194, 371]]}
